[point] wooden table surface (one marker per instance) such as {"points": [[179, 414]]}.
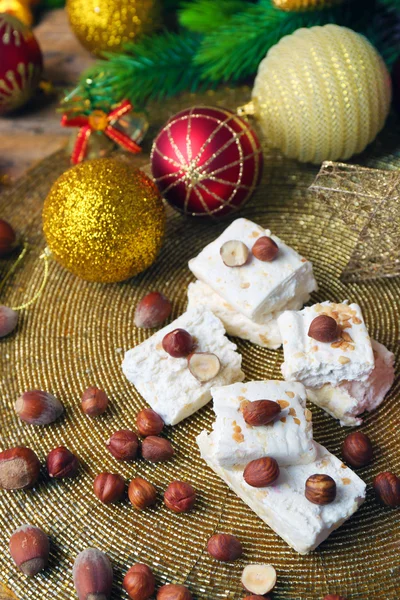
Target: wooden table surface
{"points": [[35, 132]]}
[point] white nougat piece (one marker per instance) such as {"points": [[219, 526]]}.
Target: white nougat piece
{"points": [[166, 382], [256, 288], [288, 439], [316, 363], [283, 505], [264, 334], [352, 398]]}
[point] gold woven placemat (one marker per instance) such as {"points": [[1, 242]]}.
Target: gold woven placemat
{"points": [[76, 335]]}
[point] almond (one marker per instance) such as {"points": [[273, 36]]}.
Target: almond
{"points": [[265, 249], [152, 311], [259, 579], [260, 412], [139, 582], [92, 574], [149, 422], [261, 472], [224, 547], [29, 548], [19, 468], [323, 329], [156, 449], [38, 408], [320, 489], [178, 343], [8, 320], [234, 253], [204, 366]]}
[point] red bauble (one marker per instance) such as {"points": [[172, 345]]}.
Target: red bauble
{"points": [[20, 63], [206, 161]]}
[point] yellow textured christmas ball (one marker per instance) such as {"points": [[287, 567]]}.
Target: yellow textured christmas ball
{"points": [[321, 94], [104, 221], [18, 9], [301, 5], [104, 25]]}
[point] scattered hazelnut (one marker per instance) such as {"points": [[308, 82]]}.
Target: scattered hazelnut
{"points": [[260, 412], [139, 582], [323, 329], [123, 444], [204, 366], [109, 487], [179, 496], [29, 548], [38, 408], [149, 422], [174, 591], [320, 489], [19, 468], [387, 489], [265, 249], [152, 311], [156, 449], [178, 343], [357, 449], [7, 238], [8, 320], [259, 579], [334, 597], [224, 547], [234, 253], [142, 493], [261, 472], [61, 463], [92, 574], [94, 401], [257, 598]]}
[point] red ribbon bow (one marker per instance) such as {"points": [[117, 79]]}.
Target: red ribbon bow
{"points": [[99, 121]]}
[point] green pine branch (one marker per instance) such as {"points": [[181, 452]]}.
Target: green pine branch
{"points": [[202, 16]]}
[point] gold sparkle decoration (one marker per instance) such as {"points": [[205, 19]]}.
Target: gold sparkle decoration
{"points": [[18, 9], [368, 201], [321, 94], [303, 5], [105, 25], [104, 221]]}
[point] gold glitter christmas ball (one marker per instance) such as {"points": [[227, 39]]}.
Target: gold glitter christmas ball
{"points": [[302, 5], [104, 221], [321, 94], [104, 25]]}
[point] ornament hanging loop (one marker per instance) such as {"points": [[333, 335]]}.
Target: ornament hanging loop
{"points": [[45, 256], [246, 110]]}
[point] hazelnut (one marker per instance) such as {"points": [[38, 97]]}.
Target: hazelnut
{"points": [[261, 472], [357, 449], [257, 598], [19, 468], [7, 238], [29, 548], [320, 489], [224, 547], [178, 343], [109, 487], [260, 412], [204, 366], [149, 422], [38, 408], [94, 401], [8, 320], [334, 597], [174, 591], [234, 253], [92, 574], [142, 493], [259, 579], [123, 444], [265, 249], [139, 582], [156, 449], [387, 489], [152, 311], [323, 329], [61, 463], [179, 496]]}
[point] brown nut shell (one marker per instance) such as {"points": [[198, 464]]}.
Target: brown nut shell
{"points": [[8, 238], [265, 249], [123, 444], [94, 401], [157, 449], [260, 412], [139, 582], [19, 468], [178, 343], [92, 575], [29, 548], [149, 422], [387, 488], [174, 591], [8, 320], [224, 547], [261, 472], [320, 489], [142, 493], [180, 496], [357, 449], [334, 597], [62, 463], [324, 329], [109, 487], [152, 311], [38, 408]]}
